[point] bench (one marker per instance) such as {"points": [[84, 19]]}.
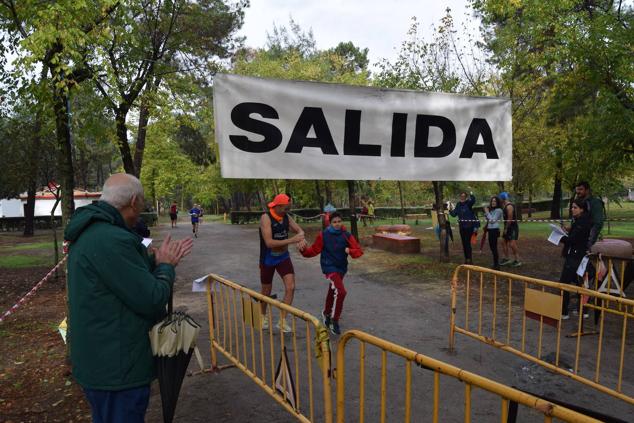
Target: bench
{"points": [[396, 243]]}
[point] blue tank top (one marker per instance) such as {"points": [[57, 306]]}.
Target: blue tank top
{"points": [[279, 230]]}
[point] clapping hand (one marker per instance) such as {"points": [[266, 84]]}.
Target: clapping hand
{"points": [[171, 252]]}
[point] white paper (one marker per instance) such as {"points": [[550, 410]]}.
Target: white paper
{"points": [[557, 234], [146, 242], [200, 284], [581, 270]]}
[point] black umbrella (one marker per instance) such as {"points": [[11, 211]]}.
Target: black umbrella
{"points": [[173, 341]]}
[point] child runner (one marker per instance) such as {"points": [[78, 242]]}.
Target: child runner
{"points": [[195, 213], [334, 243]]}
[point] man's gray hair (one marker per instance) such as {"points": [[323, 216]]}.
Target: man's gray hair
{"points": [[119, 189]]}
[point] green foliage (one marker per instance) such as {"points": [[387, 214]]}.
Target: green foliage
{"points": [[568, 66]]}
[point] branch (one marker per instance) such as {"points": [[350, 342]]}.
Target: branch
{"points": [[101, 89], [14, 14], [106, 13]]}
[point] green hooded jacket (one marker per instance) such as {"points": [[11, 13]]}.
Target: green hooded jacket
{"points": [[115, 294]]}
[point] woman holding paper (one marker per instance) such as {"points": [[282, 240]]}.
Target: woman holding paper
{"points": [[574, 248], [494, 216]]}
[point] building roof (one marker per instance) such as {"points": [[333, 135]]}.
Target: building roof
{"points": [[46, 194]]}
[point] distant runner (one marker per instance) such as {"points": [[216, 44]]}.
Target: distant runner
{"points": [[195, 214], [174, 213]]}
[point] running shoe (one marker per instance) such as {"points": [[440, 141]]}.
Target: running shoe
{"points": [[334, 327], [516, 264], [325, 319], [283, 326]]}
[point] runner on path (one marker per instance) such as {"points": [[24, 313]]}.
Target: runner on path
{"points": [[274, 255], [334, 244], [195, 214], [174, 213]]}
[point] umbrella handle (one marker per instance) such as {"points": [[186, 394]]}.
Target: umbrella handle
{"points": [[170, 304]]}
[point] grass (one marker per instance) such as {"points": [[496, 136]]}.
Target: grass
{"points": [[30, 246], [18, 261]]}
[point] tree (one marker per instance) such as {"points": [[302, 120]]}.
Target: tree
{"points": [[439, 65], [58, 36], [570, 62], [151, 42]]}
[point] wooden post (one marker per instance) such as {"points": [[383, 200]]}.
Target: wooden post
{"points": [[353, 211]]}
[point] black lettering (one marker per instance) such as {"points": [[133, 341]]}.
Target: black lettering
{"points": [[241, 117], [421, 141], [479, 127], [352, 136], [311, 117], [399, 128]]}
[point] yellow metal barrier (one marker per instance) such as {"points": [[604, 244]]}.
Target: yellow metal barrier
{"points": [[439, 411], [523, 316], [237, 332]]}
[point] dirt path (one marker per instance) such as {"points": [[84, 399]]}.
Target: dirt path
{"points": [[413, 315]]}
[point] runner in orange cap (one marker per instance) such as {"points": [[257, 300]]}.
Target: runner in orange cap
{"points": [[274, 255]]}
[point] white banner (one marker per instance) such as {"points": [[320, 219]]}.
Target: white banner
{"points": [[306, 130]]}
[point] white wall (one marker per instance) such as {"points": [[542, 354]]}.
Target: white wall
{"points": [[14, 207], [11, 207]]}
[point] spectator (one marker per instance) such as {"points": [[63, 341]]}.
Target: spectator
{"points": [[594, 206], [116, 293], [494, 216], [467, 223], [511, 232], [575, 245]]}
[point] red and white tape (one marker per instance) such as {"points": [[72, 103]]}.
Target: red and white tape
{"points": [[32, 291]]}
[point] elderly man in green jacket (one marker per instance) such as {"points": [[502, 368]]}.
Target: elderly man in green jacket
{"points": [[116, 293]]}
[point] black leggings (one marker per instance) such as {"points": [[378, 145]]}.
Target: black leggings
{"points": [[494, 234], [465, 236]]}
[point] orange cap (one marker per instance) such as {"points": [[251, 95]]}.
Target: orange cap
{"points": [[280, 200]]}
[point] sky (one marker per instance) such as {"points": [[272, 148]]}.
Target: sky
{"points": [[379, 25]]}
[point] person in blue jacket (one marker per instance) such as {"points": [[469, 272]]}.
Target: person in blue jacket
{"points": [[467, 223], [334, 244]]}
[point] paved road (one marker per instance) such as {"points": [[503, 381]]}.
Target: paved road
{"points": [[412, 314]]}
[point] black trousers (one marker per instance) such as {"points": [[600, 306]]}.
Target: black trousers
{"points": [[465, 236], [494, 234], [569, 276]]}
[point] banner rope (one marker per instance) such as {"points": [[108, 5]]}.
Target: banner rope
{"points": [[32, 291]]}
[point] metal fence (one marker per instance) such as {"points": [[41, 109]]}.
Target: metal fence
{"points": [[293, 367], [401, 395], [523, 316]]}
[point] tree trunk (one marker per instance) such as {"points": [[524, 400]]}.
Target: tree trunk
{"points": [[144, 117], [555, 207], [501, 186], [519, 200], [320, 199], [33, 163], [29, 208], [328, 190], [353, 211], [442, 221], [400, 194], [64, 154], [122, 141], [530, 203]]}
